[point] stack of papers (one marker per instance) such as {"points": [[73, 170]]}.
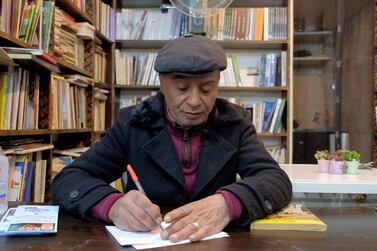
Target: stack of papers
{"points": [[30, 220], [144, 240]]}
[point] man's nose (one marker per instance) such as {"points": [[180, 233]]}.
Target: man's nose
{"points": [[194, 98]]}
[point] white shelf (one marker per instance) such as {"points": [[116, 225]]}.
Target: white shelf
{"points": [[307, 179]]}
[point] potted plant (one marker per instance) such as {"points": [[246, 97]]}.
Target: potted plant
{"points": [[352, 158], [337, 164], [323, 159]]}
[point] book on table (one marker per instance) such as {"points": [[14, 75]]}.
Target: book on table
{"points": [[293, 217], [30, 220]]}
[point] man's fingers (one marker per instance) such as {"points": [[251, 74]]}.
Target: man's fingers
{"points": [[184, 233], [177, 213], [144, 210], [200, 234]]}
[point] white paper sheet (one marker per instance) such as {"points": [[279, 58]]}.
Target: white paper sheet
{"points": [[144, 240]]}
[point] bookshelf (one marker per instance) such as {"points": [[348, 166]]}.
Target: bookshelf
{"points": [[374, 112], [97, 87], [245, 50]]}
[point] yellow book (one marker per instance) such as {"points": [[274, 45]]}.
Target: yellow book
{"points": [[118, 185], [293, 217], [3, 94]]}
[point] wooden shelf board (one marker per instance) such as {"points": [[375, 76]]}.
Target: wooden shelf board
{"points": [[254, 89], [102, 85], [23, 132], [311, 58], [74, 11], [235, 3], [137, 87], [103, 37], [43, 63], [226, 44], [99, 132], [12, 40], [221, 88], [313, 33], [266, 134], [42, 131], [65, 66], [80, 130]]}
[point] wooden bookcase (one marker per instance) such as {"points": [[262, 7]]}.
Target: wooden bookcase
{"points": [[243, 48], [375, 84], [68, 138]]}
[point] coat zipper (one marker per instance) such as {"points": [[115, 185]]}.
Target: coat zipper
{"points": [[186, 149]]}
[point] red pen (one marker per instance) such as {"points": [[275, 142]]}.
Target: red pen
{"points": [[138, 184], [135, 178]]}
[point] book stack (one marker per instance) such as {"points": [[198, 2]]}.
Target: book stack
{"points": [[105, 19], [68, 103], [68, 46]]}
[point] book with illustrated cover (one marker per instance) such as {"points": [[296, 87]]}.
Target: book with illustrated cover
{"points": [[30, 220], [293, 217]]}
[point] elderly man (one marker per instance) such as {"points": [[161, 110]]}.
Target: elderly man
{"points": [[186, 146]]}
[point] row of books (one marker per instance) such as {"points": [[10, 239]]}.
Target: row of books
{"points": [[150, 24], [105, 20], [81, 4], [100, 98], [254, 24], [19, 99], [30, 21], [267, 115], [99, 64], [68, 103], [268, 71], [135, 68], [27, 173], [125, 100]]}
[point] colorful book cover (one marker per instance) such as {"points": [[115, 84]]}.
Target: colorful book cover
{"points": [[30, 220], [293, 217]]}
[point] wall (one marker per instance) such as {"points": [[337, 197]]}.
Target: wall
{"points": [[357, 89]]}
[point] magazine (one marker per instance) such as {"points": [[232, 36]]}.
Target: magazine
{"points": [[30, 220]]}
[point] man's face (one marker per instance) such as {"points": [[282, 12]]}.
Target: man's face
{"points": [[190, 99]]}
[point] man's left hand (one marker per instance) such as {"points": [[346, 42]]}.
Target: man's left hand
{"points": [[197, 220]]}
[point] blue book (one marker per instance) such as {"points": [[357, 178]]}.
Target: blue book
{"points": [[279, 116], [29, 181], [269, 109]]}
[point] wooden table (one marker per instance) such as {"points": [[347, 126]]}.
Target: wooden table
{"points": [[348, 229], [307, 179]]}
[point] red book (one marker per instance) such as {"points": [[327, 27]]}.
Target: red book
{"points": [[48, 58]]}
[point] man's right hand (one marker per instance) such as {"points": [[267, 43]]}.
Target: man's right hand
{"points": [[135, 212]]}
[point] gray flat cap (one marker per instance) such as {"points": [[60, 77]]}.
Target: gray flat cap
{"points": [[191, 55]]}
